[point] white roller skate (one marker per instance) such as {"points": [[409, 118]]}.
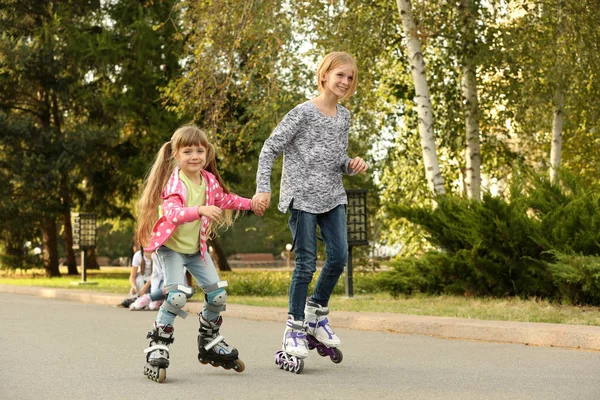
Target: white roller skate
{"points": [[157, 354], [212, 348], [294, 347], [140, 303], [320, 334]]}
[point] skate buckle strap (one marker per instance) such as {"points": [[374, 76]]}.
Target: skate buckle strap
{"points": [[295, 324], [156, 347], [295, 336], [324, 323], [157, 338], [214, 342], [173, 310]]}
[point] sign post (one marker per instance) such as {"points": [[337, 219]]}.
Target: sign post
{"points": [[84, 237], [356, 221]]}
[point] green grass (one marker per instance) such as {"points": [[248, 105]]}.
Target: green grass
{"points": [[246, 286]]}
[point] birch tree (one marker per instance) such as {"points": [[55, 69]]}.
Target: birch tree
{"points": [[559, 100], [417, 66], [470, 100]]}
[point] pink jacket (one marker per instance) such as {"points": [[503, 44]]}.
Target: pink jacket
{"points": [[176, 213]]}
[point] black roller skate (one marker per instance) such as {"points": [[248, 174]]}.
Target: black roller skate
{"points": [[320, 334], [293, 348], [157, 354], [212, 348]]}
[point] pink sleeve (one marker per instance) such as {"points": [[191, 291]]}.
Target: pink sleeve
{"points": [[175, 212], [231, 201]]}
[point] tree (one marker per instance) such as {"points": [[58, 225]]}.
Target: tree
{"points": [[468, 10], [428, 146]]}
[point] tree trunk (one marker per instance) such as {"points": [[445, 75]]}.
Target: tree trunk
{"points": [[67, 227], [221, 258], [50, 253], [417, 64], [559, 100], [471, 102], [91, 261], [557, 127]]}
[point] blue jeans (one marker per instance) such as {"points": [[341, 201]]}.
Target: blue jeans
{"points": [[204, 272], [304, 233]]}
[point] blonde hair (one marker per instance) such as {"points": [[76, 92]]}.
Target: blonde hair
{"points": [[161, 170], [334, 60]]}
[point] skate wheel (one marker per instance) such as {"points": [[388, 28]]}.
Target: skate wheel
{"points": [[239, 365], [162, 374], [338, 356], [321, 352], [299, 366]]}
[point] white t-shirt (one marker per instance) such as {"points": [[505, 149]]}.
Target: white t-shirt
{"points": [[137, 262], [157, 272]]}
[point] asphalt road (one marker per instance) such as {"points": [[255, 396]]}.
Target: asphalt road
{"points": [[54, 349]]}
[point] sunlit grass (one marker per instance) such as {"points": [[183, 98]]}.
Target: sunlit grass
{"points": [[115, 280]]}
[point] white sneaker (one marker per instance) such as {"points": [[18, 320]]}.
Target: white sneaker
{"points": [[294, 339], [318, 324]]}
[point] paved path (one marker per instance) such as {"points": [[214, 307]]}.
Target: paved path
{"points": [[57, 349], [535, 334]]}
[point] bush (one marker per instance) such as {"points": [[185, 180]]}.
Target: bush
{"points": [[274, 283], [500, 247], [577, 278]]}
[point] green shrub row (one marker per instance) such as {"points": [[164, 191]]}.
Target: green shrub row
{"points": [[275, 283], [543, 240]]}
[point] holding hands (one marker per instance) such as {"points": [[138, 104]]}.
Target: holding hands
{"points": [[260, 203], [358, 165]]}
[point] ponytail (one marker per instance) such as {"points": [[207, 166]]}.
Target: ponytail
{"points": [[155, 181]]}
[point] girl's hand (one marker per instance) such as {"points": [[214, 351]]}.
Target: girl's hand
{"points": [[260, 202], [213, 213], [133, 290], [358, 165], [259, 207]]}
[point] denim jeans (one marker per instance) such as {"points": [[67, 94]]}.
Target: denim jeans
{"points": [[304, 233], [204, 272]]}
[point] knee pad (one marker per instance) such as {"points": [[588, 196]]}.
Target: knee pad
{"points": [[215, 297], [177, 299], [177, 296]]}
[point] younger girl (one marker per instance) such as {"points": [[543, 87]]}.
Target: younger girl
{"points": [[185, 176], [314, 140]]}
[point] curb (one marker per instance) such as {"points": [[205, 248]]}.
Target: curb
{"points": [[527, 333]]}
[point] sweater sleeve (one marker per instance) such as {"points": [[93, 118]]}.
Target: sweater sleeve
{"points": [[176, 213], [344, 159], [282, 135]]}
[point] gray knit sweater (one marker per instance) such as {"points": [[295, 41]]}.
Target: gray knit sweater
{"points": [[314, 148]]}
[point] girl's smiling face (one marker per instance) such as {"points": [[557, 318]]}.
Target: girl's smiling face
{"points": [[191, 159], [339, 80]]}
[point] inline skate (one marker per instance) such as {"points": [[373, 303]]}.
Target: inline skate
{"points": [[320, 334], [294, 348], [212, 348], [157, 354]]}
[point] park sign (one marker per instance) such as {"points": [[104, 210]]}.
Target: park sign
{"points": [[84, 237], [84, 231], [356, 222], [356, 217]]}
